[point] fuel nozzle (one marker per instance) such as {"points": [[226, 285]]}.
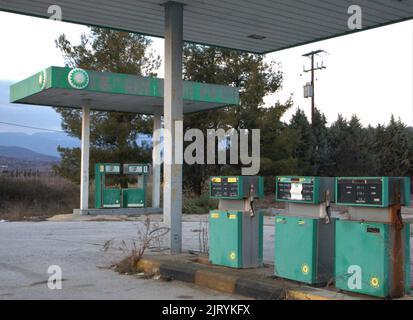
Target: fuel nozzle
{"points": [[328, 207], [251, 199]]}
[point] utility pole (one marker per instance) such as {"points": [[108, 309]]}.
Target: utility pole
{"points": [[309, 88]]}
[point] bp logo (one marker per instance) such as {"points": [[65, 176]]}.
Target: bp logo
{"points": [[305, 269], [78, 78], [232, 255], [42, 80], [375, 282]]}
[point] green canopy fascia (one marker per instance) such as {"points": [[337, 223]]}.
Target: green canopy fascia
{"points": [[106, 91]]}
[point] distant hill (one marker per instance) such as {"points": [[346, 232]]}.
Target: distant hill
{"points": [[25, 154], [17, 158], [46, 143], [43, 143]]}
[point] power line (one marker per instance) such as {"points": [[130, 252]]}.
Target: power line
{"points": [[29, 127]]}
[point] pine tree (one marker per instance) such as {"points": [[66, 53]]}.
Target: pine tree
{"points": [[394, 148], [320, 156], [113, 134], [305, 144], [254, 77]]}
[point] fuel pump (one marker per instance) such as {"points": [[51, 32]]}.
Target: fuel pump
{"points": [[135, 195], [236, 227], [372, 254], [107, 189], [304, 235]]}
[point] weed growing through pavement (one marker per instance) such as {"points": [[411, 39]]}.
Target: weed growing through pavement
{"points": [[134, 248]]}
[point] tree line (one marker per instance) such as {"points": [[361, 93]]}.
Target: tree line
{"points": [[21, 173]]}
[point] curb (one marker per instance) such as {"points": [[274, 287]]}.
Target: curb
{"points": [[216, 281], [246, 283], [300, 295], [177, 272], [148, 266], [260, 289], [203, 276]]}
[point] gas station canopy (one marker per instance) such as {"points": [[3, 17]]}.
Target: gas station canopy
{"points": [[77, 88], [258, 26]]}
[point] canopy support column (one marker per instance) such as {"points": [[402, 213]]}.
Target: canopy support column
{"points": [[173, 114], [84, 162], [156, 161]]}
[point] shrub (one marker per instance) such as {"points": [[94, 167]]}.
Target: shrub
{"points": [[194, 204]]}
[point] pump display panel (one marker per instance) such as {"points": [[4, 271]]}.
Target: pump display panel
{"points": [[295, 189], [224, 187], [360, 191], [307, 190], [372, 191], [110, 168], [135, 168]]}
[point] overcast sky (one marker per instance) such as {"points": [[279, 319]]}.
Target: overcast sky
{"points": [[368, 73]]}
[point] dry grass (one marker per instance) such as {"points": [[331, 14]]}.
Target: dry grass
{"points": [[36, 198]]}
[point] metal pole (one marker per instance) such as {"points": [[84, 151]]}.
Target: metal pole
{"points": [[84, 162], [312, 70], [313, 90], [156, 162], [173, 113]]}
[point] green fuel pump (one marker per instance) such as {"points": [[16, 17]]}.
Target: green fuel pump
{"points": [[236, 227], [304, 235], [372, 254], [108, 191], [135, 197], [105, 196]]}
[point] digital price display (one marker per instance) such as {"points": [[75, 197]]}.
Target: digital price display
{"points": [[360, 191], [224, 187]]}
